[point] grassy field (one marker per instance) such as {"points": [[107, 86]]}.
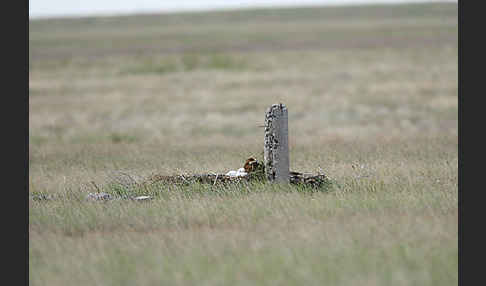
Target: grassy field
{"points": [[372, 99]]}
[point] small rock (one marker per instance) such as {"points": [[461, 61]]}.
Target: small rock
{"points": [[41, 197], [239, 173], [99, 196], [232, 173], [142, 198]]}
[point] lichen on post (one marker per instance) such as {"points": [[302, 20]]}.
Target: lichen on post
{"points": [[276, 146]]}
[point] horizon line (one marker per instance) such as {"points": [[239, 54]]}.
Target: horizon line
{"points": [[224, 8]]}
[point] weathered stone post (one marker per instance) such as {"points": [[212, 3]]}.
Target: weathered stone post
{"points": [[276, 147]]}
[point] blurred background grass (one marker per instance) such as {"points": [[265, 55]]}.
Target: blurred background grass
{"points": [[111, 90]]}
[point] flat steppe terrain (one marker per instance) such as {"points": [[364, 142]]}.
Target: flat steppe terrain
{"points": [[372, 94]]}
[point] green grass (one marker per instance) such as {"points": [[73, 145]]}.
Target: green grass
{"points": [[372, 99]]}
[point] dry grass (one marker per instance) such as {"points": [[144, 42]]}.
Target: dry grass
{"points": [[372, 99]]}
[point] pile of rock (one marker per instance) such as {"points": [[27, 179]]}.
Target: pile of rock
{"points": [[252, 170]]}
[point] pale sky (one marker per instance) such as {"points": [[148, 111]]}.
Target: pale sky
{"points": [[63, 8]]}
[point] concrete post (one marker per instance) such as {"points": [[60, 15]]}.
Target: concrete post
{"points": [[276, 147]]}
